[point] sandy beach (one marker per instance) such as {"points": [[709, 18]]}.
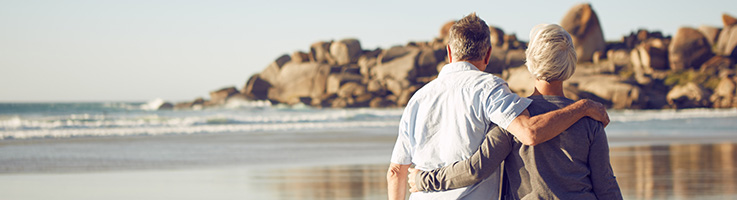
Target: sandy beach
{"points": [[337, 164]]}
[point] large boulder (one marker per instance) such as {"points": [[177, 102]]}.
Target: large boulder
{"points": [[690, 95], [583, 25], [320, 52], [497, 62], [218, 97], [649, 56], [715, 65], [728, 20], [367, 62], [724, 94], [300, 57], [445, 30], [428, 59], [336, 81], [299, 80], [711, 33], [688, 49], [270, 73], [398, 63], [346, 51], [614, 91], [256, 88], [497, 36], [519, 80], [727, 42]]}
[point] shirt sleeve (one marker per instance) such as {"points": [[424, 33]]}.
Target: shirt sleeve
{"points": [[502, 106], [494, 149], [603, 181], [402, 153]]}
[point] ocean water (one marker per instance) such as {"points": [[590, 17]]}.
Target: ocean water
{"points": [[64, 120], [254, 150]]}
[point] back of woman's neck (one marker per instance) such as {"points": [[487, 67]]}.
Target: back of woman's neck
{"points": [[553, 88]]}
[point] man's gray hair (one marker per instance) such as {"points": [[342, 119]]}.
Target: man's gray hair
{"points": [[469, 39], [550, 53]]}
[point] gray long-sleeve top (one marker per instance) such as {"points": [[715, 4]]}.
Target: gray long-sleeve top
{"points": [[573, 165]]}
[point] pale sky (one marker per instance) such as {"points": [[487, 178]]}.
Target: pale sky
{"points": [[131, 50]]}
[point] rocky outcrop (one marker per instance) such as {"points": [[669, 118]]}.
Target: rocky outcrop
{"points": [[583, 25], [644, 70], [688, 49]]}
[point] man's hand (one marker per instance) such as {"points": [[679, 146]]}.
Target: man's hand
{"points": [[596, 111], [411, 179]]}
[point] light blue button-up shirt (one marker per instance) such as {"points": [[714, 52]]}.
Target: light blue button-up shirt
{"points": [[446, 120]]}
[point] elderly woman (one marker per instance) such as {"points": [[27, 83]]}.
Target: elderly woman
{"points": [[573, 165]]}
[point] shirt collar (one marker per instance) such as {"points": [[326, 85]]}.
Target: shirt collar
{"points": [[456, 67]]}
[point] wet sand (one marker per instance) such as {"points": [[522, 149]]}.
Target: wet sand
{"points": [[334, 165]]}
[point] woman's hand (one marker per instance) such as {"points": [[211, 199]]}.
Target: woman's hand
{"points": [[411, 179]]}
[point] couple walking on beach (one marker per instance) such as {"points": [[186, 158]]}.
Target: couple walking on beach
{"points": [[459, 128]]}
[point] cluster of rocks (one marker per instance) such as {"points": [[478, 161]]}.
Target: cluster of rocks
{"points": [[645, 70]]}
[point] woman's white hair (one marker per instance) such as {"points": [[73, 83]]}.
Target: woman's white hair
{"points": [[550, 53]]}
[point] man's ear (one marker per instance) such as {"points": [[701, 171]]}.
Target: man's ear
{"points": [[450, 55], [488, 56]]}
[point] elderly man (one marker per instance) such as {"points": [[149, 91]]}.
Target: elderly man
{"points": [[447, 119], [573, 165]]}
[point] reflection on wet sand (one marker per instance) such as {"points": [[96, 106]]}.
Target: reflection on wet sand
{"points": [[681, 171], [328, 182], [678, 171]]}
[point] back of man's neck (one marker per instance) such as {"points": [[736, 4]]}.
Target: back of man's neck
{"points": [[479, 64]]}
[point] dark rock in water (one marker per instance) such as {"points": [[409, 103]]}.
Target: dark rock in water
{"points": [[346, 51], [256, 88], [166, 106], [690, 95], [196, 104], [688, 49], [583, 24], [218, 97]]}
